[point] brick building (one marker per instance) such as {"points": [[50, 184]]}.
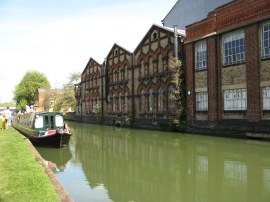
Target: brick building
{"points": [[228, 69], [132, 86]]}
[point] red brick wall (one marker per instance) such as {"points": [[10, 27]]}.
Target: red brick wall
{"points": [[212, 72], [253, 73], [190, 81], [234, 14]]}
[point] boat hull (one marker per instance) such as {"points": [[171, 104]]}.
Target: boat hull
{"points": [[59, 139]]}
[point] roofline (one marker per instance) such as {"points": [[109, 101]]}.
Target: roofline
{"points": [[161, 27], [169, 12]]}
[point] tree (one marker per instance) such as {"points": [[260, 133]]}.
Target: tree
{"points": [[66, 101], [25, 90], [179, 92]]}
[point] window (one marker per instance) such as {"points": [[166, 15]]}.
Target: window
{"points": [[142, 101], [120, 102], [59, 122], [151, 100], [160, 100], [126, 103], [114, 103], [266, 41], [200, 55], [235, 99], [39, 122], [202, 101], [170, 99], [160, 64], [266, 98], [234, 48]]}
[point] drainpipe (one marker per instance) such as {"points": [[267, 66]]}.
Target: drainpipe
{"points": [[175, 42]]}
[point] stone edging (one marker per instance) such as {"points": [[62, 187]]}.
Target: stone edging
{"points": [[62, 193]]}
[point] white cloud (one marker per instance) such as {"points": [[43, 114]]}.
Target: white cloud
{"points": [[64, 45]]}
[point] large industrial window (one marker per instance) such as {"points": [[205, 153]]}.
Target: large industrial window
{"points": [[235, 99], [234, 48], [266, 41], [202, 101], [200, 55], [266, 98]]}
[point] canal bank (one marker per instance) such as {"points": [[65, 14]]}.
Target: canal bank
{"points": [[224, 128], [22, 178]]}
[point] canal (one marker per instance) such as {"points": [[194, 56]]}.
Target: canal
{"points": [[104, 163]]}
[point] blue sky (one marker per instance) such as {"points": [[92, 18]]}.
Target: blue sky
{"points": [[58, 37]]}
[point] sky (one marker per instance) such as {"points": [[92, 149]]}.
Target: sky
{"points": [[58, 37]]}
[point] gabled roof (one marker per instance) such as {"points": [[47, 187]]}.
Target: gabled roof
{"points": [[91, 59], [115, 45], [165, 29]]}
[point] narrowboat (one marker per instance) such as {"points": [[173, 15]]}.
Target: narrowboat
{"points": [[45, 129]]}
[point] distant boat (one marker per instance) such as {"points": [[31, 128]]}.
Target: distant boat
{"points": [[46, 129]]}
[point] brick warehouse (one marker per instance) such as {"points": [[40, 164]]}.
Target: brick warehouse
{"points": [[131, 86], [227, 74], [228, 70]]}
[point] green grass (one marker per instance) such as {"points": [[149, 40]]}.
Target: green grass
{"points": [[22, 178]]}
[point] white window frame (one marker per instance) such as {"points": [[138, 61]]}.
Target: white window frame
{"points": [[235, 100], [265, 43], [234, 48], [202, 101], [201, 55], [266, 97]]}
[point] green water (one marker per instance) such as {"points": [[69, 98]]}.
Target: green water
{"points": [[104, 163]]}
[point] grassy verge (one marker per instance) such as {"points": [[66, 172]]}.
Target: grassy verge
{"points": [[21, 177]]}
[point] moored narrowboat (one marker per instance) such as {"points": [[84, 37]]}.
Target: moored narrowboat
{"points": [[46, 129]]}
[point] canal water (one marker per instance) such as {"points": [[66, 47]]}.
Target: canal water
{"points": [[104, 163]]}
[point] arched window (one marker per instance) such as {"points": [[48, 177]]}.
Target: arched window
{"points": [[160, 63], [142, 101], [151, 66], [114, 103], [126, 103], [170, 99], [142, 69], [120, 102], [151, 100], [160, 99]]}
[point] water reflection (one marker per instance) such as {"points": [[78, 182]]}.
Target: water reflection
{"points": [[140, 165], [55, 158]]}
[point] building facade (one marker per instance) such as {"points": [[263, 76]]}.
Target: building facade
{"points": [[132, 88], [228, 69]]}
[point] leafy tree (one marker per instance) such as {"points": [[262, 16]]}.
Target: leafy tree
{"points": [[25, 90], [179, 92], [66, 101]]}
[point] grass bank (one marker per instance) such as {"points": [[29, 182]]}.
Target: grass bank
{"points": [[21, 177]]}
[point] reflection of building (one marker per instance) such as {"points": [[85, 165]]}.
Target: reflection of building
{"points": [[150, 166], [132, 86]]}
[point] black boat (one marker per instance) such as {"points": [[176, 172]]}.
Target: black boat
{"points": [[46, 129]]}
